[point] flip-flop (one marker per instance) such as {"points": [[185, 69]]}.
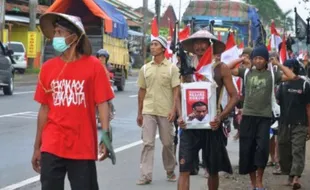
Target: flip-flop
{"points": [[171, 177], [296, 186], [277, 170], [144, 182], [269, 164]]}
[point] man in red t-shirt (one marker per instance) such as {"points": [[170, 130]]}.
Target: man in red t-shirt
{"points": [[69, 89]]}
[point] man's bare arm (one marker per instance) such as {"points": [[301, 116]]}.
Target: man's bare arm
{"points": [[235, 71], [179, 105], [141, 95], [234, 63], [288, 74], [231, 90], [176, 99], [42, 119], [104, 113]]}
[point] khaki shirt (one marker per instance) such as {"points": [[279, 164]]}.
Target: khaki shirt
{"points": [[159, 81]]}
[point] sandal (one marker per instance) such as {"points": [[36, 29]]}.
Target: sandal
{"points": [[171, 177], [277, 170], [289, 181], [270, 164], [296, 186], [144, 181]]}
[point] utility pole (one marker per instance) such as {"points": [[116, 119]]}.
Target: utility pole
{"points": [[145, 26], [180, 19], [157, 10], [2, 18], [32, 24]]}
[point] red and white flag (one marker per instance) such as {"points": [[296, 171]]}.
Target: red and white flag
{"points": [[154, 28], [241, 47], [283, 52], [275, 38], [184, 33], [219, 36], [168, 52], [231, 53], [204, 67]]}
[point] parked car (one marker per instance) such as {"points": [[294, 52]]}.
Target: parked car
{"points": [[19, 56], [6, 70]]}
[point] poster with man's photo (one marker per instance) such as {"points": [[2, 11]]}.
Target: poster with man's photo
{"points": [[198, 104]]}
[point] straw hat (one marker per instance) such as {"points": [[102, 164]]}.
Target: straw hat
{"points": [[47, 24], [188, 44]]}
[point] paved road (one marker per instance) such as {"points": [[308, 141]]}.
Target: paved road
{"points": [[17, 131]]}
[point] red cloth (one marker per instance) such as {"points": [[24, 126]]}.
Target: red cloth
{"points": [[71, 130]]}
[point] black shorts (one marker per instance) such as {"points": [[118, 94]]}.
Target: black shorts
{"points": [[253, 143], [214, 153], [82, 174], [275, 132]]}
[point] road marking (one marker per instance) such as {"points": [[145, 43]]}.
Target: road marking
{"points": [[15, 114], [133, 96], [131, 82], [24, 117], [37, 178], [27, 92]]}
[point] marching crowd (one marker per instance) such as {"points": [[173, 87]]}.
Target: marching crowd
{"points": [[275, 99], [66, 139]]}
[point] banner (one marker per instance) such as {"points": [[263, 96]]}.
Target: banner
{"points": [[32, 45], [300, 27], [198, 104]]}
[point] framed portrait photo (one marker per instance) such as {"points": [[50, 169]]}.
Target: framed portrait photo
{"points": [[198, 104]]}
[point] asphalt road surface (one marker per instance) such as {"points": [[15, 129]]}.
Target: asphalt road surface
{"points": [[17, 131]]}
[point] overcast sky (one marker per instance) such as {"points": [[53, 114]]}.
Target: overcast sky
{"points": [[284, 5]]}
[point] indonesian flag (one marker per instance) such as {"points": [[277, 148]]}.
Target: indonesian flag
{"points": [[219, 36], [168, 52], [154, 28], [283, 52], [275, 38], [231, 53], [204, 67], [241, 46], [269, 45], [184, 34]]}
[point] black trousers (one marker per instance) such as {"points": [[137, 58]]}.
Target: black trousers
{"points": [[82, 174], [214, 154], [253, 143]]}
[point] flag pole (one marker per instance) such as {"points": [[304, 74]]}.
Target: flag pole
{"points": [[295, 10], [308, 35]]}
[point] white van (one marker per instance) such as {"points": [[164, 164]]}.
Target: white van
{"points": [[19, 56]]}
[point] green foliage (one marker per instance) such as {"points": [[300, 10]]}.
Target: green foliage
{"points": [[162, 31], [33, 70], [269, 9]]}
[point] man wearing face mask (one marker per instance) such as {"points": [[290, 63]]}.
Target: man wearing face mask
{"points": [[212, 142], [69, 89], [158, 96]]}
